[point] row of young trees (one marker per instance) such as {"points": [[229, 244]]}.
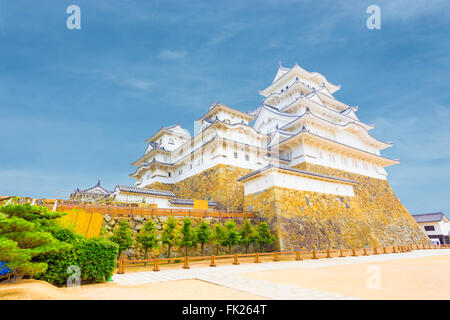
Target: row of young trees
{"points": [[188, 236]]}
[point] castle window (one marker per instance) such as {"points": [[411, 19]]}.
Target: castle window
{"points": [[190, 166], [169, 174], [429, 228], [235, 155], [247, 158]]}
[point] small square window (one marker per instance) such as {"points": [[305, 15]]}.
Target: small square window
{"points": [[247, 158], [235, 155], [429, 228]]}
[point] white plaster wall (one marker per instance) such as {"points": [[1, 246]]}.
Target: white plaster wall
{"points": [[291, 181], [440, 228], [334, 160]]}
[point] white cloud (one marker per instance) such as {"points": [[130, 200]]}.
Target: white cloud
{"points": [[168, 54]]}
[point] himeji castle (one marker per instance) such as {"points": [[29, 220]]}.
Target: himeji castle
{"points": [[300, 157], [299, 121]]}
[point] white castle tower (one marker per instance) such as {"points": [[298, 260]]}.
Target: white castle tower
{"points": [[299, 121], [302, 161]]}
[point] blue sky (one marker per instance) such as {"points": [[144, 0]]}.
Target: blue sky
{"points": [[77, 105]]}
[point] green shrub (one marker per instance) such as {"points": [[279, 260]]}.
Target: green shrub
{"points": [[98, 259], [34, 245]]}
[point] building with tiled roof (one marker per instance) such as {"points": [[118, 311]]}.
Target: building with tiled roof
{"points": [[300, 143], [91, 194], [436, 225]]}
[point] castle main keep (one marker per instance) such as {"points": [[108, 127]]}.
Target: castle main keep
{"points": [[303, 161]]}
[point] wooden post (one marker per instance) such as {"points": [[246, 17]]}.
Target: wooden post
{"points": [[275, 256], [429, 246], [341, 253], [328, 253], [314, 254], [235, 259], [365, 252], [213, 264], [156, 265], [257, 258], [298, 256], [354, 252], [121, 267], [384, 250], [394, 250], [186, 263]]}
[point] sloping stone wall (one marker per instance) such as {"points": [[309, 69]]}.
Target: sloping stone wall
{"points": [[218, 183], [374, 216], [160, 186]]}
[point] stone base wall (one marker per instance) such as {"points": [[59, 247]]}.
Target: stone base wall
{"points": [[218, 183], [374, 216], [160, 186]]}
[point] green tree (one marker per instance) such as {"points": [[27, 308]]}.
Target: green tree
{"points": [[188, 236], [34, 244], [203, 235], [170, 235], [147, 238], [264, 236], [123, 236], [247, 235], [231, 235], [218, 235], [24, 238]]}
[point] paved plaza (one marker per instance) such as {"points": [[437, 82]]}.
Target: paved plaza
{"points": [[232, 276]]}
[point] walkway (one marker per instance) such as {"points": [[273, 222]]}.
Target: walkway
{"points": [[228, 276]]}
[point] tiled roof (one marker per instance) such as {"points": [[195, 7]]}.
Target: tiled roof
{"points": [[145, 191], [429, 217], [190, 202], [297, 171]]}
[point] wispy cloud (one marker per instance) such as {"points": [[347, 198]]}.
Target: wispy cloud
{"points": [[168, 54]]}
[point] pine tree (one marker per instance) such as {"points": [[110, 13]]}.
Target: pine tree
{"points": [[147, 238], [123, 236], [247, 235], [218, 236], [170, 235], [203, 235], [264, 236], [25, 238], [188, 236], [231, 235]]}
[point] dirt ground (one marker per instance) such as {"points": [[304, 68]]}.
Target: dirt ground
{"points": [[415, 278], [411, 279], [172, 290]]}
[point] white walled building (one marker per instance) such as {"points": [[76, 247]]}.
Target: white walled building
{"points": [[298, 121], [158, 198], [436, 225], [94, 193]]}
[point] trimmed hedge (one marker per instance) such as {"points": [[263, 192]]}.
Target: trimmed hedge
{"points": [[96, 258]]}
